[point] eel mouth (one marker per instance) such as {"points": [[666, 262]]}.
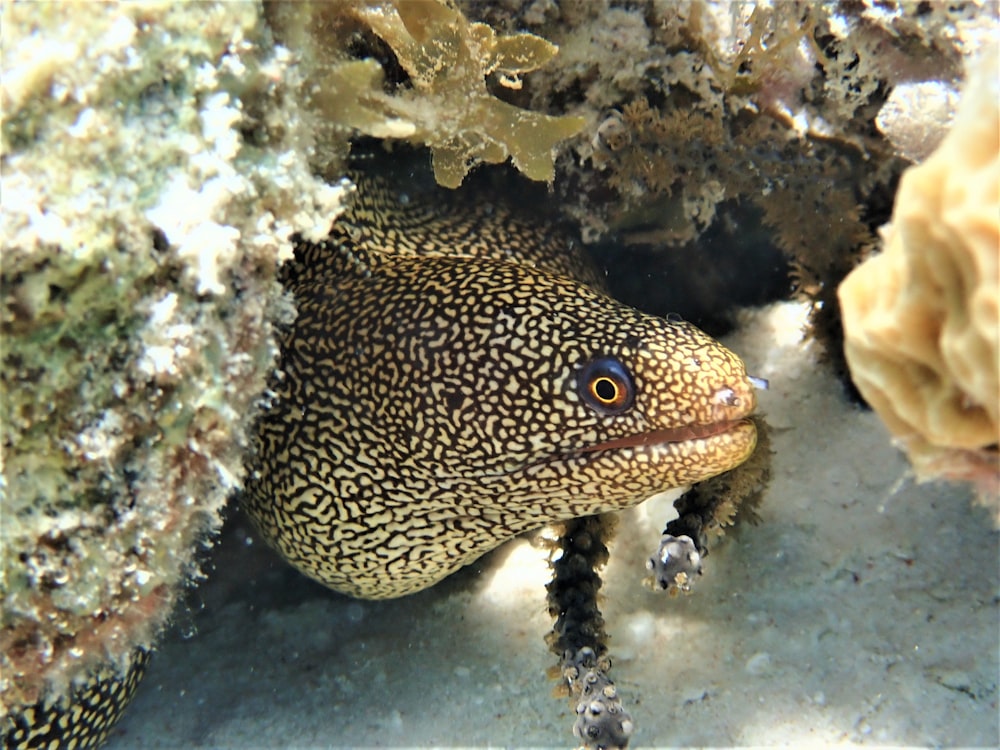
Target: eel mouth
{"points": [[673, 435], [723, 444]]}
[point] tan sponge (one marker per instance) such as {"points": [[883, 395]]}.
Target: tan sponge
{"points": [[922, 319]]}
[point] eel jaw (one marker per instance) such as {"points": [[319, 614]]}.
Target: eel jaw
{"points": [[672, 435], [679, 456]]}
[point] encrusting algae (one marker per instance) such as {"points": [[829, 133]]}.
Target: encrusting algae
{"points": [[153, 174]]}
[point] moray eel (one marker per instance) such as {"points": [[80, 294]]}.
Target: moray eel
{"points": [[84, 718], [456, 375]]}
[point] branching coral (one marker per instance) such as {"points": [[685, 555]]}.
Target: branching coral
{"points": [[447, 105], [151, 180], [922, 319], [578, 636], [705, 512]]}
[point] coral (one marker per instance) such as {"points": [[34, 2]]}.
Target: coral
{"points": [[709, 507], [578, 636], [697, 110], [154, 170], [922, 319], [674, 564], [447, 105], [704, 513], [601, 721]]}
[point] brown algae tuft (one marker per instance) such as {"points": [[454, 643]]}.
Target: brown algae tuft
{"points": [[448, 104]]}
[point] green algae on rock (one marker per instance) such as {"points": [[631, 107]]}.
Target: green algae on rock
{"points": [[153, 173]]}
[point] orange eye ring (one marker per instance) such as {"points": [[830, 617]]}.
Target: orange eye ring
{"points": [[606, 391], [606, 385]]}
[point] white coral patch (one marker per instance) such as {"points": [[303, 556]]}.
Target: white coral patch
{"points": [[207, 243], [164, 310], [186, 218], [168, 341], [217, 120], [101, 440], [119, 35]]}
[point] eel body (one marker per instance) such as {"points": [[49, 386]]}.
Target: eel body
{"points": [[456, 376], [82, 719]]}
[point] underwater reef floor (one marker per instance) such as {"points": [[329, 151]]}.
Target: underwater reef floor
{"points": [[863, 609]]}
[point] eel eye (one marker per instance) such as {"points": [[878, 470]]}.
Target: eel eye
{"points": [[605, 384]]}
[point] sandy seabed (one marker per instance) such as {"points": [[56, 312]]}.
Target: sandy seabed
{"points": [[863, 609]]}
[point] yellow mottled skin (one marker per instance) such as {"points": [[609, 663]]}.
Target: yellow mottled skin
{"points": [[456, 376], [80, 720]]}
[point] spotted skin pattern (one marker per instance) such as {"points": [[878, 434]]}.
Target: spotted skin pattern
{"points": [[83, 720], [429, 406]]}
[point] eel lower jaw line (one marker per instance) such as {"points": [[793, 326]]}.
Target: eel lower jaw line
{"points": [[672, 435]]}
